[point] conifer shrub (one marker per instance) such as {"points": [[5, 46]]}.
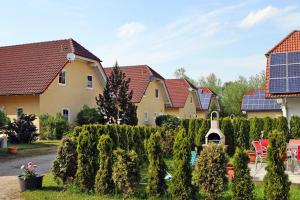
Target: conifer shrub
{"points": [[282, 126], [166, 142], [137, 143], [65, 164], [112, 131], [242, 184], [126, 172], [210, 171], [200, 134], [228, 131], [185, 124], [268, 126], [241, 133], [181, 183], [103, 182], [295, 127], [256, 127], [192, 130], [276, 183], [123, 138], [156, 185]]}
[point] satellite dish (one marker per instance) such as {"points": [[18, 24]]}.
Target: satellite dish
{"points": [[71, 56]]}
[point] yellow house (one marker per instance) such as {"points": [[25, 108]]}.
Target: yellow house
{"points": [[149, 92], [48, 78], [184, 98], [209, 102], [255, 104]]}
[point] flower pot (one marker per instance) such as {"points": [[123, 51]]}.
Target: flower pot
{"points": [[12, 150], [252, 157], [230, 171], [30, 184], [284, 156]]}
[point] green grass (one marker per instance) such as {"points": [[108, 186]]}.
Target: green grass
{"points": [[37, 144]]}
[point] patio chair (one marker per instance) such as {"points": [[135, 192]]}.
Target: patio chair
{"points": [[259, 152], [264, 143]]}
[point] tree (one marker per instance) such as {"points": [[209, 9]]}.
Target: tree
{"points": [[180, 73], [268, 126], [276, 183], [256, 127], [200, 134], [3, 119], [89, 116], [156, 185], [181, 185], [212, 82], [295, 127], [227, 129], [242, 184], [115, 104], [103, 182], [282, 126], [257, 80], [241, 133]]}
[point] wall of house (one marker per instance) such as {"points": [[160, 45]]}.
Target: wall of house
{"points": [[292, 107], [75, 94], [262, 114], [29, 103], [201, 113], [150, 104]]}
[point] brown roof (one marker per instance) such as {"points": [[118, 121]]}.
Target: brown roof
{"points": [[30, 68], [288, 44], [207, 90], [178, 90], [140, 76]]}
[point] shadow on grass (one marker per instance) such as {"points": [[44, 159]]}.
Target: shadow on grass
{"points": [[52, 188]]}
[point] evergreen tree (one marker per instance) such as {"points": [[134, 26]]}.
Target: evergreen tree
{"points": [[256, 127], [295, 127], [277, 185], [156, 185], [115, 103], [242, 184], [200, 134], [242, 133], [282, 126], [103, 182], [191, 131], [181, 185], [268, 126], [227, 130]]}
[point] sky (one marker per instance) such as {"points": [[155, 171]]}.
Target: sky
{"points": [[228, 38]]}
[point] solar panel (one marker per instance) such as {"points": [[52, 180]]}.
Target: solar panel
{"points": [[257, 102], [204, 99], [284, 72]]}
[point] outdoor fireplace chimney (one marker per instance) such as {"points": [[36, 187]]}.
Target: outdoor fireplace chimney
{"points": [[214, 134]]}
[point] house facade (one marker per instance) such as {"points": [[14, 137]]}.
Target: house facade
{"points": [[283, 74], [209, 101], [49, 78]]}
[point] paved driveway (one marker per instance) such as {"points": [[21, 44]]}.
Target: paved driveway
{"points": [[9, 170]]}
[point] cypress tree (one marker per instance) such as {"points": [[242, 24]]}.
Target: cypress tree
{"points": [[200, 134], [242, 184], [103, 182], [256, 127], [181, 185], [242, 133], [276, 183], [268, 126], [192, 130], [156, 185], [295, 127], [123, 138], [282, 126], [227, 130]]}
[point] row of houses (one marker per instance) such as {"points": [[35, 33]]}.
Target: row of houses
{"points": [[62, 76], [281, 96]]}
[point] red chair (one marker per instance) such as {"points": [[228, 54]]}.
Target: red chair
{"points": [[264, 143], [298, 155], [259, 152]]}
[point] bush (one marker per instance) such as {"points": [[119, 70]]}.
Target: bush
{"points": [[241, 133], [53, 127], [22, 130], [228, 131], [242, 184], [268, 126], [166, 143], [89, 116], [137, 143], [256, 127], [125, 171], [282, 126], [3, 119], [65, 164], [103, 182], [181, 185], [156, 185], [167, 122], [295, 127], [185, 124], [276, 184], [210, 171], [200, 134], [192, 131]]}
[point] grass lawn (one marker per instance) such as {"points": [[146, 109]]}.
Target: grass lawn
{"points": [[35, 148]]}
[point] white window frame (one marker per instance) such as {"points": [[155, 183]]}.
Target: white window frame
{"points": [[87, 84], [69, 113], [157, 97], [146, 117], [62, 71], [17, 111]]}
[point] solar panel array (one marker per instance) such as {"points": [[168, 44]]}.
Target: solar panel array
{"points": [[204, 99], [284, 72], [257, 102]]}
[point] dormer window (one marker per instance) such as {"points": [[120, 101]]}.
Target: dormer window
{"points": [[62, 78]]}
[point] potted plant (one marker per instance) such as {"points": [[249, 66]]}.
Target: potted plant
{"points": [[30, 180], [12, 150], [230, 171], [252, 156]]}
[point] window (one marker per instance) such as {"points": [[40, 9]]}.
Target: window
{"points": [[146, 118], [62, 77], [19, 112], [156, 93], [66, 113], [90, 81], [191, 99]]}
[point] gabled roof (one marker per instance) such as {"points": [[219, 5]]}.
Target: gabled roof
{"points": [[255, 100], [289, 43], [30, 68], [140, 76], [178, 90]]}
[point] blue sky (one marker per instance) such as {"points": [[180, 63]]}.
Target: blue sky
{"points": [[228, 38]]}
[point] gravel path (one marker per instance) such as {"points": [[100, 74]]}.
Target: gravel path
{"points": [[9, 170]]}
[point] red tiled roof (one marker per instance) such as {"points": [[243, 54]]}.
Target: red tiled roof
{"points": [[207, 90], [140, 76], [178, 90], [290, 43], [30, 68]]}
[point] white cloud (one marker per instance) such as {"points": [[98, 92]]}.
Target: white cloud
{"points": [[130, 29]]}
